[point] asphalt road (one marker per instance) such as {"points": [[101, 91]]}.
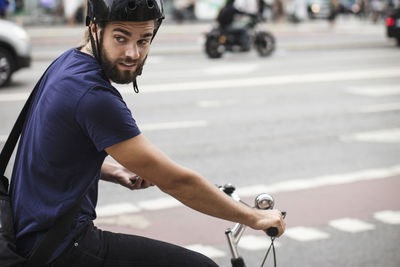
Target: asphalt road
{"points": [[317, 127]]}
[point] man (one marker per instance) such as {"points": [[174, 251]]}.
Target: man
{"points": [[77, 119], [226, 21]]}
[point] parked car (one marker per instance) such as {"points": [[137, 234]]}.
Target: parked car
{"points": [[393, 25], [15, 50]]}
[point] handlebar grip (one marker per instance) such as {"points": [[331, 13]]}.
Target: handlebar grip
{"points": [[272, 231]]}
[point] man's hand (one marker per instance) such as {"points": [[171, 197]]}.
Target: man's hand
{"points": [[118, 174], [269, 218]]}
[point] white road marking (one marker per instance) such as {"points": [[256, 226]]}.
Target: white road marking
{"points": [[209, 251], [159, 203], [305, 234], [244, 82], [216, 103], [173, 125], [376, 91], [126, 220], [388, 216], [300, 184], [13, 97], [230, 69], [3, 138], [116, 209], [252, 242], [351, 225], [381, 136], [267, 80], [379, 108]]}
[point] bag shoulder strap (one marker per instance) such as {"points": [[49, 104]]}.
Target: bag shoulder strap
{"points": [[16, 131], [57, 232]]}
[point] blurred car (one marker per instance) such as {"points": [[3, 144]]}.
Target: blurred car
{"points": [[15, 50], [393, 25]]}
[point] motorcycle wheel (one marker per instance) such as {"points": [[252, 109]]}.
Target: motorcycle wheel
{"points": [[265, 43], [213, 48]]}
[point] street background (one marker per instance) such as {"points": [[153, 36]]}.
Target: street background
{"points": [[317, 125]]}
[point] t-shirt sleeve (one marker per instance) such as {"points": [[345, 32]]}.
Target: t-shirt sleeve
{"points": [[105, 118]]}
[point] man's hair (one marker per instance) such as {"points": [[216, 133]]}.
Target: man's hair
{"points": [[101, 25]]}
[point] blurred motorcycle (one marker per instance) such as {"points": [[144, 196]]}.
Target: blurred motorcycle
{"points": [[219, 40]]}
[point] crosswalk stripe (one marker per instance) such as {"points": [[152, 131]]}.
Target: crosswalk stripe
{"points": [[159, 203], [379, 108], [351, 225], [381, 136], [116, 209], [209, 251], [252, 242], [173, 125], [3, 138], [305, 234], [134, 221], [388, 216], [376, 91]]}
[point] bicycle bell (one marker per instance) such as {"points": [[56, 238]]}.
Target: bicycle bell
{"points": [[264, 202]]}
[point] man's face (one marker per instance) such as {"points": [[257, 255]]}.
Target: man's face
{"points": [[124, 48]]}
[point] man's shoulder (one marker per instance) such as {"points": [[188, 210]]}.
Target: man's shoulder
{"points": [[75, 70]]}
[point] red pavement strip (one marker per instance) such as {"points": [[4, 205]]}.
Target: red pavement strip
{"points": [[310, 208]]}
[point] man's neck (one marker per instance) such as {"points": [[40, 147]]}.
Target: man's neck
{"points": [[87, 49]]}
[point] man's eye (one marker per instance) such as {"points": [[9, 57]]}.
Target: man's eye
{"points": [[120, 39], [143, 42]]}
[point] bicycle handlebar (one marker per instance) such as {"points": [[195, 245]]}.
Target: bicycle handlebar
{"points": [[262, 201]]}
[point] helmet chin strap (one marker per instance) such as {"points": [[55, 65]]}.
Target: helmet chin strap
{"points": [[135, 87], [93, 43]]}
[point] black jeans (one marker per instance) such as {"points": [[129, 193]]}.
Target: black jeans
{"points": [[94, 247]]}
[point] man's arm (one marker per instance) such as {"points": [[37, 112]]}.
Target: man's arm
{"points": [[140, 156]]}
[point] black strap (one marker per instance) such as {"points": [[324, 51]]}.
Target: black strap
{"points": [[62, 225], [12, 139]]}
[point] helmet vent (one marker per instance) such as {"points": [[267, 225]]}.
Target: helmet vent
{"points": [[132, 5], [150, 3]]}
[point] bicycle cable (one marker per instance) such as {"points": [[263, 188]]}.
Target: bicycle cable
{"points": [[273, 252], [272, 246]]}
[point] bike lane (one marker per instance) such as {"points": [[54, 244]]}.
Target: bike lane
{"points": [[314, 207]]}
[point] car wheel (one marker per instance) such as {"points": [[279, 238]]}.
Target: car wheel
{"points": [[6, 67]]}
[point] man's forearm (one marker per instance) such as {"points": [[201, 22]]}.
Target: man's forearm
{"points": [[107, 172], [198, 193]]}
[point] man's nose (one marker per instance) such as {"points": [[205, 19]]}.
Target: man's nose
{"points": [[132, 52]]}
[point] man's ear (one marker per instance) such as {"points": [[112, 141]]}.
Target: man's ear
{"points": [[93, 28]]}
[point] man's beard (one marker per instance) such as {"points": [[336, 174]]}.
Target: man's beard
{"points": [[113, 73]]}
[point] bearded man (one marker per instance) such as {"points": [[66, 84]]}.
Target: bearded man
{"points": [[75, 121]]}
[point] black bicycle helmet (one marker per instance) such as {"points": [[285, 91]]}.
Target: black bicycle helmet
{"points": [[124, 10], [100, 11]]}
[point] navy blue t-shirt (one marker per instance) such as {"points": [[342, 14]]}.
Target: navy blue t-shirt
{"points": [[75, 115]]}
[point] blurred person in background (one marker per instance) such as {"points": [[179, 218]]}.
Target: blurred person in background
{"points": [[19, 10], [334, 9], [70, 9], [227, 22], [3, 8], [184, 10]]}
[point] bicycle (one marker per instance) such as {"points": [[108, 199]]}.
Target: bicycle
{"points": [[262, 201]]}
